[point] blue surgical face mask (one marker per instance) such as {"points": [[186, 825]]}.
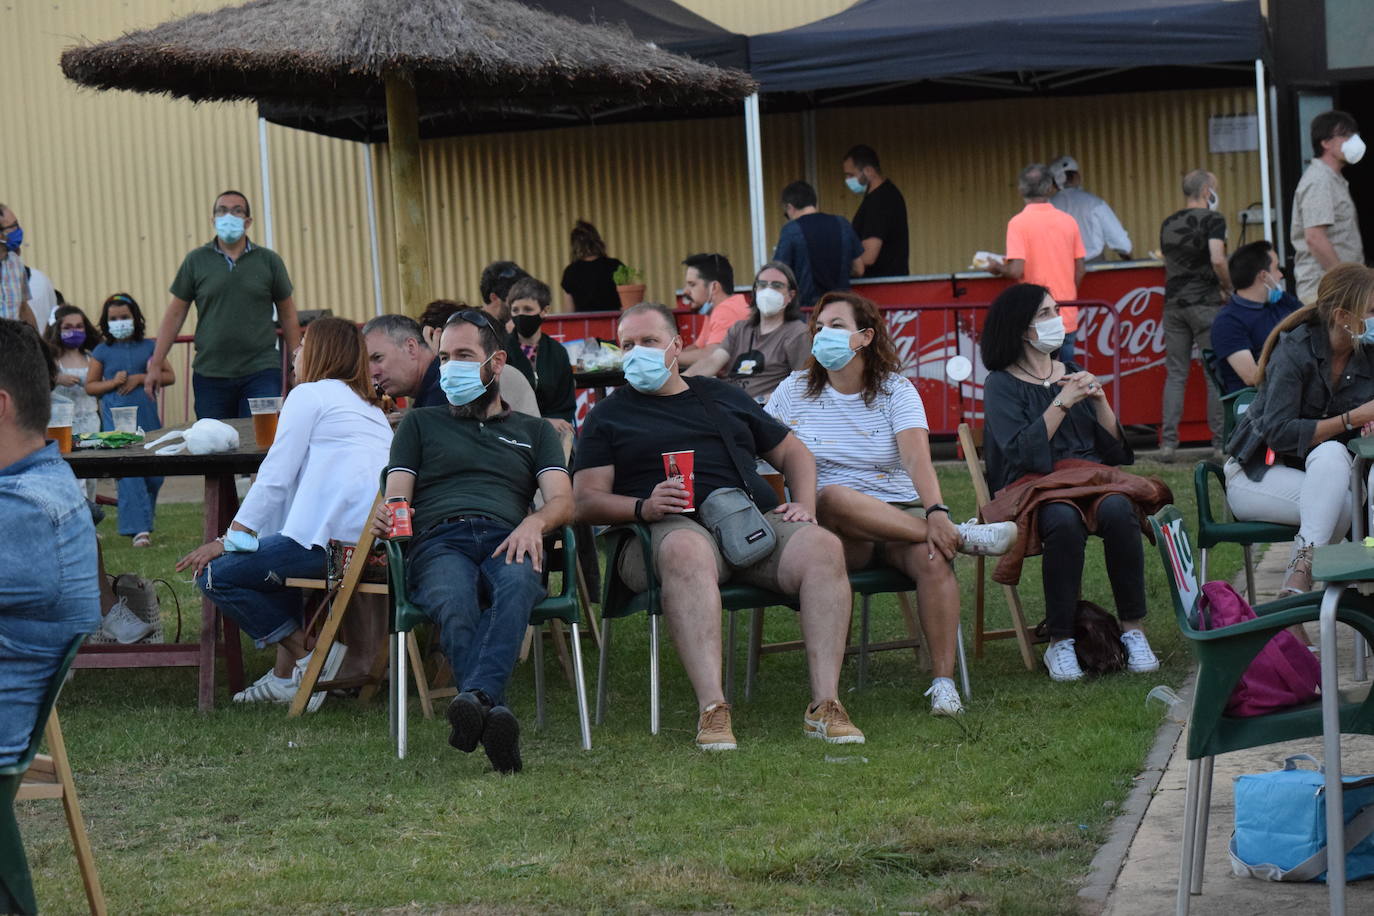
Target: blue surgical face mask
{"points": [[1367, 338], [121, 328], [1274, 293], [14, 238], [236, 541], [229, 228], [831, 348], [854, 184], [647, 368], [461, 381]]}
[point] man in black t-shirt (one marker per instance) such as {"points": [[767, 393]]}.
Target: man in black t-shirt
{"points": [[620, 479], [881, 220]]}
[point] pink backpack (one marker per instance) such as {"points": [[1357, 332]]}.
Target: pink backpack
{"points": [[1284, 673]]}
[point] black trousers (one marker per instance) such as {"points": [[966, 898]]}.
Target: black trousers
{"points": [[1064, 537]]}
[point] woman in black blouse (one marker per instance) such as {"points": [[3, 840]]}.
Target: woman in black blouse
{"points": [[589, 281], [1038, 411]]}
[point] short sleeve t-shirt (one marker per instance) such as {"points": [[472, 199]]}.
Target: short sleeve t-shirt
{"points": [[721, 319], [1189, 279], [855, 444], [882, 215], [759, 361], [466, 466], [1323, 198], [1048, 240], [630, 431], [235, 334], [1245, 325], [592, 285]]}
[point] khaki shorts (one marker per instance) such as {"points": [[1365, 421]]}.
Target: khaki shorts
{"points": [[910, 507], [763, 574]]}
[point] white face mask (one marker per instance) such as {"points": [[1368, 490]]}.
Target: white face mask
{"points": [[769, 301], [1353, 149], [1049, 334], [1212, 200]]}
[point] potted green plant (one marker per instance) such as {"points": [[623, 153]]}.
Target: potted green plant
{"points": [[629, 283]]}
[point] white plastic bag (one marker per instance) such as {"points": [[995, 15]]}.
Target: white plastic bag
{"points": [[203, 438]]}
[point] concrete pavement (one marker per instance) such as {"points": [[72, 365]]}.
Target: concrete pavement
{"points": [[1146, 881]]}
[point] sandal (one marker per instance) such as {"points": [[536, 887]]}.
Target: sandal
{"points": [[1299, 578], [143, 539]]}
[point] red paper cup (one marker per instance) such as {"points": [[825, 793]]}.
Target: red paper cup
{"points": [[681, 466]]}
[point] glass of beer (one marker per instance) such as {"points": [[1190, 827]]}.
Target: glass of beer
{"points": [[60, 425], [265, 412]]}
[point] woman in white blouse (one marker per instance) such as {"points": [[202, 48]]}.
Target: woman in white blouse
{"points": [[875, 482], [317, 483]]}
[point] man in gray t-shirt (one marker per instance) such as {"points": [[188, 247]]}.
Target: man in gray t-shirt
{"points": [[1326, 231]]}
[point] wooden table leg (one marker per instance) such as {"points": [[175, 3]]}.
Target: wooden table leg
{"points": [[221, 501]]}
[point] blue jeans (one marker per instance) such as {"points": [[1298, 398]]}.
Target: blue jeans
{"points": [[227, 398], [481, 604], [137, 503], [248, 586]]}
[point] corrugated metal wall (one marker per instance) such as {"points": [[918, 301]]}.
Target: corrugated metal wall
{"points": [[114, 188], [756, 16]]}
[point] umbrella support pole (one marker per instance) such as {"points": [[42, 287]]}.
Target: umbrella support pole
{"points": [[408, 194]]}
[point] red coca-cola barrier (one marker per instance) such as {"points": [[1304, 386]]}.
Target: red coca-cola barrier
{"points": [[1120, 339]]}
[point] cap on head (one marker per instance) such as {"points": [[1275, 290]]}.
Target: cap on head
{"points": [[1060, 169]]}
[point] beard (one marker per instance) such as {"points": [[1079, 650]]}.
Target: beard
{"points": [[477, 408]]}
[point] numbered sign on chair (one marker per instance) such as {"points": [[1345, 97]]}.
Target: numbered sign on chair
{"points": [[1181, 562]]}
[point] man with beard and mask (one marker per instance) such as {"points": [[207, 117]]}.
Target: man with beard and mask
{"points": [[538, 357], [15, 293], [1325, 228], [880, 221], [709, 287], [235, 285], [769, 345], [470, 470], [497, 279], [402, 364], [620, 479]]}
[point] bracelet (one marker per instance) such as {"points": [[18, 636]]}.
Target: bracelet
{"points": [[938, 507], [639, 511], [1345, 418]]}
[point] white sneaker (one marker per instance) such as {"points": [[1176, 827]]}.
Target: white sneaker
{"points": [[1139, 656], [986, 540], [944, 698], [332, 663], [269, 689], [124, 626], [1062, 660]]}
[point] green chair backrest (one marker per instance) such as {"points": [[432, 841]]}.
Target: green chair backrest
{"points": [[1209, 368], [1176, 550], [49, 701], [1233, 407]]}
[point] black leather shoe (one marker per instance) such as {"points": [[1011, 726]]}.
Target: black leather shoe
{"points": [[467, 715], [501, 740]]}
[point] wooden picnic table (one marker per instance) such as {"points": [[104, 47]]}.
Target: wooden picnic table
{"points": [[221, 502]]}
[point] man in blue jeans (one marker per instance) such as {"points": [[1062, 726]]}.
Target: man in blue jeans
{"points": [[470, 470], [49, 591]]}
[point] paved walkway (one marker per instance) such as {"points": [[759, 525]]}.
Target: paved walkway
{"points": [[1148, 877]]}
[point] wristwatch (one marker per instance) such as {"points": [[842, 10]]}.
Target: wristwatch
{"points": [[1059, 402], [938, 507]]}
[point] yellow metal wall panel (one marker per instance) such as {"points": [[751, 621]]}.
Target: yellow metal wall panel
{"points": [[757, 16]]}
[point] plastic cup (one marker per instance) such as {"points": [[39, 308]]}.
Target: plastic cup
{"points": [[125, 419], [265, 412], [681, 465], [60, 425]]}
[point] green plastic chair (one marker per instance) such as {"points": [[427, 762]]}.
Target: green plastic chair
{"points": [[565, 606], [1233, 405], [16, 884], [1211, 532], [1223, 656]]}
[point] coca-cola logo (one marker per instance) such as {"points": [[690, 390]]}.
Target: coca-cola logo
{"points": [[1140, 331]]}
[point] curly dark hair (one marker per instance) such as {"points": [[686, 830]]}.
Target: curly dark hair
{"points": [[880, 356]]}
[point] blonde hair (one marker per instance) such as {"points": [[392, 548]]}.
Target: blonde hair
{"points": [[1348, 287]]}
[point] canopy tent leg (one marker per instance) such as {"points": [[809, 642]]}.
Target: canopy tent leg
{"points": [[408, 194], [1262, 107], [754, 149], [1276, 163], [374, 245]]}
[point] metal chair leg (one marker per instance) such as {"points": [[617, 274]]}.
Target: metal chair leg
{"points": [[1185, 866], [1202, 565], [653, 674], [603, 664], [1204, 807], [539, 676], [391, 685], [402, 736], [730, 661], [751, 663], [863, 644], [963, 662], [581, 687]]}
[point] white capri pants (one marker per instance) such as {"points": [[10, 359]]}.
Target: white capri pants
{"points": [[1316, 500]]}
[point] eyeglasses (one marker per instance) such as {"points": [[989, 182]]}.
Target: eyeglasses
{"points": [[779, 285], [241, 212], [471, 316]]}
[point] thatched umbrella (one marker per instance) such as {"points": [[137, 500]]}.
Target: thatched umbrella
{"points": [[403, 56]]}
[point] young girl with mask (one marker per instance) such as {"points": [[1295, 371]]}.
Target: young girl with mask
{"points": [[876, 484], [116, 373], [72, 336], [772, 343], [539, 358], [1039, 411]]}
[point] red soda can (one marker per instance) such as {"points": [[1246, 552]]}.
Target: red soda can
{"points": [[400, 517]]}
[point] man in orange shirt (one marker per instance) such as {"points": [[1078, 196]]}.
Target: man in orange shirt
{"points": [[1044, 246], [709, 287]]}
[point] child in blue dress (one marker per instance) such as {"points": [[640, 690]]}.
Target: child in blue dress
{"points": [[117, 369]]}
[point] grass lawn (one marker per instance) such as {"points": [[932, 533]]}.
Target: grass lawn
{"points": [[244, 810]]}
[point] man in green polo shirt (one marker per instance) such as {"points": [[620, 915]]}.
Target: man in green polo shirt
{"points": [[470, 469], [235, 285]]}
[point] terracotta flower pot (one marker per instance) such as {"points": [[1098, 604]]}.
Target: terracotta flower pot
{"points": [[630, 294]]}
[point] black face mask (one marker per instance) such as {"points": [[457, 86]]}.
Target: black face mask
{"points": [[527, 325]]}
